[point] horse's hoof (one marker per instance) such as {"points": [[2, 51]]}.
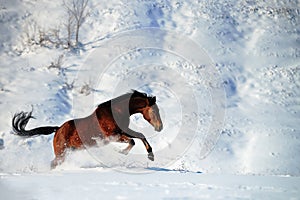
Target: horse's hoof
{"points": [[53, 164], [151, 156], [125, 152]]}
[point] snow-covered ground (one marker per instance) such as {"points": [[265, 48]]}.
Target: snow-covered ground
{"points": [[106, 184], [227, 79]]}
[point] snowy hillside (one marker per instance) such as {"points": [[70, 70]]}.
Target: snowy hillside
{"points": [[227, 79]]}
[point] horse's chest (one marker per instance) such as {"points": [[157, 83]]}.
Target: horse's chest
{"points": [[111, 123], [112, 126], [108, 126]]}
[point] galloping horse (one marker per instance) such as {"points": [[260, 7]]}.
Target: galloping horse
{"points": [[109, 122]]}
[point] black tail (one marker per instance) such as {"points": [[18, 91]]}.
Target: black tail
{"points": [[20, 121]]}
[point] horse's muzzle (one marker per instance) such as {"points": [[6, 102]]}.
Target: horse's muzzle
{"points": [[159, 128]]}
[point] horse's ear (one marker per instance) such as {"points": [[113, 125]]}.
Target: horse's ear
{"points": [[152, 101]]}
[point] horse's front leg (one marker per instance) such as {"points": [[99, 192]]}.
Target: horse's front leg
{"points": [[133, 134], [126, 139]]}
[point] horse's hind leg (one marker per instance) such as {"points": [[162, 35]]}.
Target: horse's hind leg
{"points": [[57, 161], [60, 153], [61, 142]]}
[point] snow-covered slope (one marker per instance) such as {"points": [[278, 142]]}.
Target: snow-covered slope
{"points": [[253, 46]]}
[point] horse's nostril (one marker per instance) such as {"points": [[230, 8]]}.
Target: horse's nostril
{"points": [[159, 128]]}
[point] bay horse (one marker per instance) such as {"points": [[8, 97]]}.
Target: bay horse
{"points": [[109, 122]]}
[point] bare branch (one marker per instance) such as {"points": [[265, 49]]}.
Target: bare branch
{"points": [[77, 11]]}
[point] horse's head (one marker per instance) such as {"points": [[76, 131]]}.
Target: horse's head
{"points": [[151, 114], [149, 109]]}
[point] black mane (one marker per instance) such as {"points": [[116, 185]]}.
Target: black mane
{"points": [[136, 93], [132, 94]]}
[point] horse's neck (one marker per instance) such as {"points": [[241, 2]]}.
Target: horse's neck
{"points": [[118, 106], [136, 104]]}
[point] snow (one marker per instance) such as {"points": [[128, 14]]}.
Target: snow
{"points": [[108, 184], [226, 76]]}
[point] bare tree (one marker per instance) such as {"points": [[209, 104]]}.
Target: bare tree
{"points": [[70, 28], [77, 13]]}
